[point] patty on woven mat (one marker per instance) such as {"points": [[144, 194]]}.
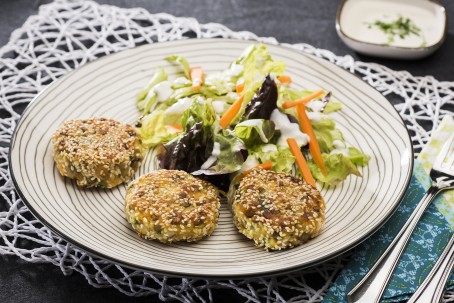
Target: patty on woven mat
{"points": [[172, 205], [97, 152], [277, 210]]}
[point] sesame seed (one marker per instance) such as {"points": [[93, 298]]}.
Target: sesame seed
{"points": [[186, 207], [97, 152], [276, 210]]}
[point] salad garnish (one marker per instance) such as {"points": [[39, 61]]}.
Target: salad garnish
{"points": [[401, 27], [220, 125]]}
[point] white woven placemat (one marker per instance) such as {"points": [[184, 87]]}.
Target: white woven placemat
{"points": [[65, 35]]}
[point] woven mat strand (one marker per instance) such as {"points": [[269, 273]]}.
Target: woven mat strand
{"points": [[65, 35]]}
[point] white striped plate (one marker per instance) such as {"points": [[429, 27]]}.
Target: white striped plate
{"points": [[94, 221]]}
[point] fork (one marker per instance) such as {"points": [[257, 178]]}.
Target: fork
{"points": [[372, 286]]}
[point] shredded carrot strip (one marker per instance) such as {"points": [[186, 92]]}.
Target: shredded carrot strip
{"points": [[239, 88], [177, 127], [314, 147], [301, 162], [196, 77], [265, 165], [231, 112], [304, 100], [285, 79]]}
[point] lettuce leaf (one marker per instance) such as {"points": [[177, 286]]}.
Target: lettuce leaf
{"points": [[188, 151], [326, 132], [154, 131], [229, 159], [263, 103], [340, 161], [332, 106], [147, 96], [357, 157], [281, 157], [254, 132], [257, 64], [286, 93], [203, 143], [198, 112], [338, 166], [216, 84], [183, 62]]}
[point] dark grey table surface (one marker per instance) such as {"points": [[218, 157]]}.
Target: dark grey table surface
{"points": [[291, 21]]}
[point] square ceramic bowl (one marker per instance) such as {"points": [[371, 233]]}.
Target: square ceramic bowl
{"points": [[357, 20]]}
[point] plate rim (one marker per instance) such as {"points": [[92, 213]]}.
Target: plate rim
{"points": [[171, 273]]}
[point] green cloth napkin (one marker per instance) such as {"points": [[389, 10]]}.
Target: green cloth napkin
{"points": [[426, 244]]}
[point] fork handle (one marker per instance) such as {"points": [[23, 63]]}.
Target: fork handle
{"points": [[432, 288], [371, 287]]}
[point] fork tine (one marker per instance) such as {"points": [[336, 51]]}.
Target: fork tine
{"points": [[443, 153]]}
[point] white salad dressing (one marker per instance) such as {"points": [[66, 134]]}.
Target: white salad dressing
{"points": [[212, 78], [247, 51], [269, 148], [179, 107], [235, 70], [214, 156], [163, 91], [288, 129], [233, 95], [181, 81], [315, 105], [218, 106], [251, 161], [315, 116], [255, 123], [339, 148], [200, 100], [219, 81], [240, 81], [237, 146]]}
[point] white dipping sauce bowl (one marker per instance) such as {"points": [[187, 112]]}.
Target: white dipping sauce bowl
{"points": [[354, 18]]}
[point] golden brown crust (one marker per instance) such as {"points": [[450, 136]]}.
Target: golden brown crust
{"points": [[171, 205], [277, 210], [97, 152]]}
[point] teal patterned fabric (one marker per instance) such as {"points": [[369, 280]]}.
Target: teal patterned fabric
{"points": [[426, 244]]}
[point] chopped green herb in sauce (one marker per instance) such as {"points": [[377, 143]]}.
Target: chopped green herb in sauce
{"points": [[401, 27]]}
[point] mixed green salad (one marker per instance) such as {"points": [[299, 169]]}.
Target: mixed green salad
{"points": [[221, 124]]}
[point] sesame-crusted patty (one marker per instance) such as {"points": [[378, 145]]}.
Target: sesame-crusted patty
{"points": [[277, 210], [172, 205], [97, 152]]}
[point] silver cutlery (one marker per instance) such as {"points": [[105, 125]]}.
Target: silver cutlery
{"points": [[432, 288], [372, 286]]}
